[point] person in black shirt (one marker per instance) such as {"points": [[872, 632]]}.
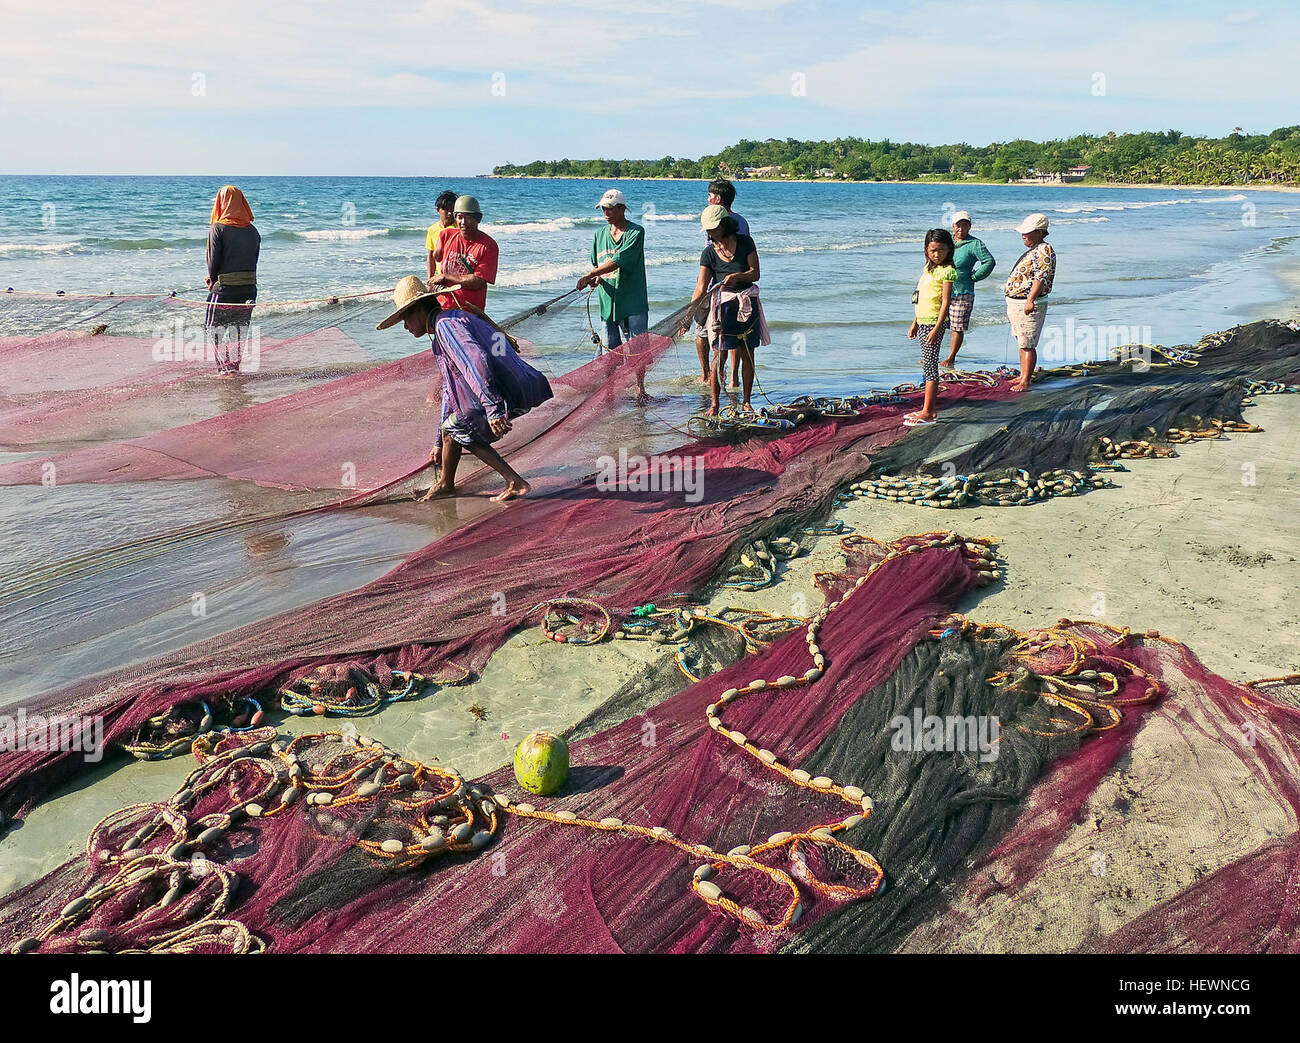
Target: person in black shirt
{"points": [[728, 274], [233, 248]]}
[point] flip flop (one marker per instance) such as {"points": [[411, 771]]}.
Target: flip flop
{"points": [[916, 421]]}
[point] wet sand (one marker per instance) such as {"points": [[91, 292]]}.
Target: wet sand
{"points": [[1181, 545]]}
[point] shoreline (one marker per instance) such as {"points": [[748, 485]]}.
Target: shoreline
{"points": [[1160, 186]]}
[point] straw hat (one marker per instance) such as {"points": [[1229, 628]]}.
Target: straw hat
{"points": [[409, 291]]}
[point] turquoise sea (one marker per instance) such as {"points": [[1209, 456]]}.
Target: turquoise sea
{"points": [[839, 262]]}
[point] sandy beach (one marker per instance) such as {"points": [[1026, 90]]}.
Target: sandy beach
{"points": [[1182, 545]]}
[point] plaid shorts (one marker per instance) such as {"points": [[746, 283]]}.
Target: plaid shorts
{"points": [[959, 309]]}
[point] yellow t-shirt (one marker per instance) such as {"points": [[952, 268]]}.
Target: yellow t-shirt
{"points": [[929, 292], [431, 240]]}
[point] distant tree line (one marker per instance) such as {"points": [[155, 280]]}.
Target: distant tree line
{"points": [[1166, 157]]}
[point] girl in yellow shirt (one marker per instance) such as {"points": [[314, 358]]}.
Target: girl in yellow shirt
{"points": [[932, 298]]}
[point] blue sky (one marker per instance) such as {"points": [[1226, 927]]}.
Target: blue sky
{"points": [[442, 88]]}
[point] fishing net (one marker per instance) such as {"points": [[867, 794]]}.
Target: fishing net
{"points": [[455, 601], [221, 505], [755, 810], [789, 771], [355, 433], [100, 369]]}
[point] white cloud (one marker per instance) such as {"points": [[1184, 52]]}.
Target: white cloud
{"points": [[687, 70], [1044, 66]]}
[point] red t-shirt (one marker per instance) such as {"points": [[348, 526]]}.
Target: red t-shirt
{"points": [[462, 256]]}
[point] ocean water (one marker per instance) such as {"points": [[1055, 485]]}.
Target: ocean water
{"points": [[839, 262]]}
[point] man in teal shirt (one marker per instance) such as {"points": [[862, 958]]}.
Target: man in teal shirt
{"points": [[973, 262], [618, 260]]}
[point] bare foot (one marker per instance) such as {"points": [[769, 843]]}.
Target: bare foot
{"points": [[512, 491], [746, 406], [948, 363], [713, 410], [705, 380], [437, 492], [734, 385]]}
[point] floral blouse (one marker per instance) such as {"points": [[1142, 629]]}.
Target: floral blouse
{"points": [[1039, 262]]}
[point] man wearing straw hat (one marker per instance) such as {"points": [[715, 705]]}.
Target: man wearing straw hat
{"points": [[468, 258], [485, 384]]}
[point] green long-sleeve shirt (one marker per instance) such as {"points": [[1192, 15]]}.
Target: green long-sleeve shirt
{"points": [[973, 263], [622, 291]]}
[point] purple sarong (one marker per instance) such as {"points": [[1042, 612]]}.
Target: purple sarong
{"points": [[483, 378]]}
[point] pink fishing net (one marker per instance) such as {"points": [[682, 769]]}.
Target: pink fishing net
{"points": [[316, 880], [405, 857], [621, 548], [73, 386]]}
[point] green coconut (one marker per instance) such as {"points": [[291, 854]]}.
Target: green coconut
{"points": [[542, 763]]}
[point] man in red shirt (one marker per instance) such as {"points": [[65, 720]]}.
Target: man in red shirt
{"points": [[468, 258]]}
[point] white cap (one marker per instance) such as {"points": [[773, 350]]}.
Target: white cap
{"points": [[613, 197], [960, 215], [1033, 223]]}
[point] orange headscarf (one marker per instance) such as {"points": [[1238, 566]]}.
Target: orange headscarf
{"points": [[231, 208]]}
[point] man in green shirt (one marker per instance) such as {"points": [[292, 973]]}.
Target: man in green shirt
{"points": [[973, 262], [618, 270]]}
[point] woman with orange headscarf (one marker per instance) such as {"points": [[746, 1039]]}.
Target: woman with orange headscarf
{"points": [[233, 248]]}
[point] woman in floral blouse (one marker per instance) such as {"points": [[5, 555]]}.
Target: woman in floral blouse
{"points": [[1027, 290]]}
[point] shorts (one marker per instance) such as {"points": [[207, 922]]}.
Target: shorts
{"points": [[1026, 328], [929, 353], [959, 310], [733, 335]]}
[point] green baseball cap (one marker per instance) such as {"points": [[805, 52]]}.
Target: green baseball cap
{"points": [[467, 205]]}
